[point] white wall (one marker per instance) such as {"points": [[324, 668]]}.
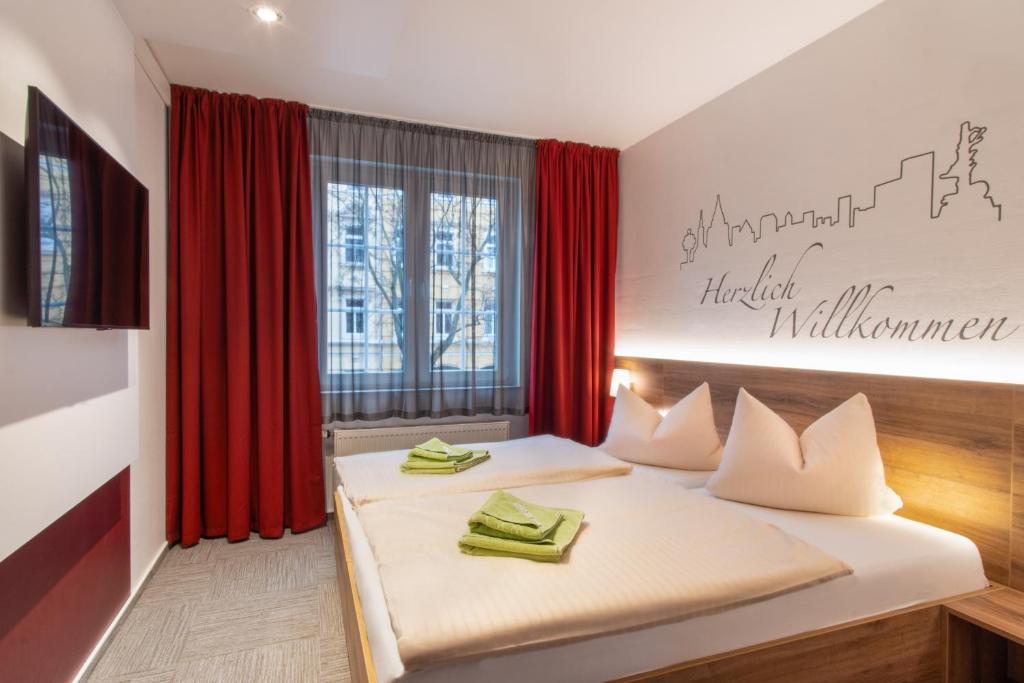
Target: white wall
{"points": [[837, 119], [71, 401], [152, 96]]}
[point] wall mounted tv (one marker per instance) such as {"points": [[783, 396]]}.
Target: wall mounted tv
{"points": [[88, 221]]}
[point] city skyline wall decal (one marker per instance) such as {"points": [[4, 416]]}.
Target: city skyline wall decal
{"points": [[966, 189]]}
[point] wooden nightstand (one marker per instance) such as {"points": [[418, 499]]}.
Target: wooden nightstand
{"points": [[984, 637]]}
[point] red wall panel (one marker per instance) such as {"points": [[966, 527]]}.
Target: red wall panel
{"points": [[60, 591]]}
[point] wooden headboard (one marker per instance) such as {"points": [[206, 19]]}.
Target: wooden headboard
{"points": [[949, 446]]}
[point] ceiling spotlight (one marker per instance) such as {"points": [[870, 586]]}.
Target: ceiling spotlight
{"points": [[268, 15]]}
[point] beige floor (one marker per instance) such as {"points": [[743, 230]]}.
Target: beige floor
{"points": [[261, 610]]}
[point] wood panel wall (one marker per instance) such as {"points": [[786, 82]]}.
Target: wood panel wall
{"points": [[1017, 526], [949, 446]]}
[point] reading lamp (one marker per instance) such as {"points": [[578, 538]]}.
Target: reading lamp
{"points": [[620, 376]]}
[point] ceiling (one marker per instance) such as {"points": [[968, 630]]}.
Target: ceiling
{"points": [[607, 72]]}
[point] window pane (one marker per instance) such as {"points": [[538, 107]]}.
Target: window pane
{"points": [[464, 281], [365, 278]]}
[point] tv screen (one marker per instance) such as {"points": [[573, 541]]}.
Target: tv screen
{"points": [[88, 228]]}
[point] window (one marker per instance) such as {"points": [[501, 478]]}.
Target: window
{"points": [[487, 317], [366, 263], [490, 253], [365, 278], [355, 316], [444, 249], [429, 229], [354, 240], [465, 281], [444, 318]]}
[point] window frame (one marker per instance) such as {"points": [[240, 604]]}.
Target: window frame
{"points": [[417, 185]]}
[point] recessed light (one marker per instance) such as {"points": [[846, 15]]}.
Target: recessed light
{"points": [[268, 15]]}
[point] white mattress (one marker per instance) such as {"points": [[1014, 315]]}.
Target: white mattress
{"points": [[896, 563], [688, 479]]}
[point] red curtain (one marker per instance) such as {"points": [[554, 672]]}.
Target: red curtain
{"points": [[574, 290], [243, 392]]}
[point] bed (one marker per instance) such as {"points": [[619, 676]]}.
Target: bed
{"points": [[688, 479], [369, 477], [945, 454], [896, 563]]}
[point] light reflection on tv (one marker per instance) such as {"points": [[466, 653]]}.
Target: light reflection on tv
{"points": [[55, 244]]}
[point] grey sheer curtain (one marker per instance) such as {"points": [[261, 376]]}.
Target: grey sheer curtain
{"points": [[424, 264]]}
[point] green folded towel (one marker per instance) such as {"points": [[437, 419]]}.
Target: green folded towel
{"points": [[505, 516], [433, 456], [414, 456], [425, 466], [506, 526], [549, 549], [435, 449]]}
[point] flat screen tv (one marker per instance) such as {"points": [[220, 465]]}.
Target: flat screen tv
{"points": [[88, 221]]}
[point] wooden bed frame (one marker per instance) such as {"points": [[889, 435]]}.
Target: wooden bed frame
{"points": [[953, 450], [357, 643]]}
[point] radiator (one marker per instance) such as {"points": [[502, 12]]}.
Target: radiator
{"points": [[376, 439]]}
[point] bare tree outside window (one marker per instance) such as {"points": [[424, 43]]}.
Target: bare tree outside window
{"points": [[366, 264], [464, 235]]}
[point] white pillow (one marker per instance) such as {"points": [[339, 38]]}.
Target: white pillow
{"points": [[834, 467], [685, 438]]}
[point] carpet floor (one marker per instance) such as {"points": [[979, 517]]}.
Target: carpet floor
{"points": [[261, 610]]}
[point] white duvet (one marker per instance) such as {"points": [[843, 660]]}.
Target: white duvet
{"points": [[521, 462], [649, 552]]}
